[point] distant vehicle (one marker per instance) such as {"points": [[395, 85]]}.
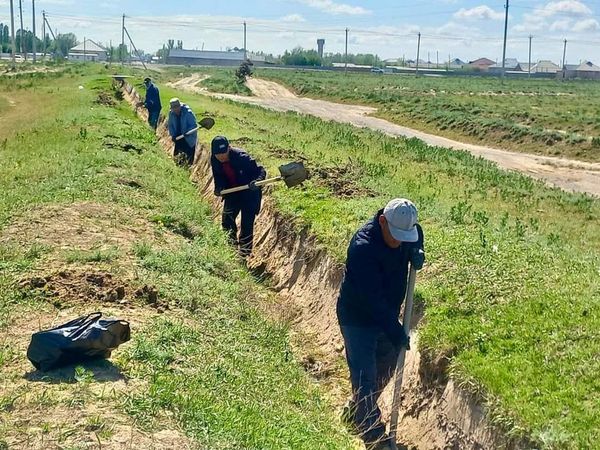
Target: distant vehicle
{"points": [[377, 70]]}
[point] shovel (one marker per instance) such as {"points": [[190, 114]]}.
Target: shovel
{"points": [[292, 174], [416, 263], [207, 123]]}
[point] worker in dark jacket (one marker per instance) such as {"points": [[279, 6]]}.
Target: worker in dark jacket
{"points": [[368, 307], [183, 130], [152, 103], [232, 167]]}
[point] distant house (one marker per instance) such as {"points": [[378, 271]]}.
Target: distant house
{"points": [[586, 70], [210, 58], [88, 50], [545, 66], [510, 64], [456, 63], [481, 64]]}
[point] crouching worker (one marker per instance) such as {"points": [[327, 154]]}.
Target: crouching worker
{"points": [[368, 308], [181, 123], [232, 167]]}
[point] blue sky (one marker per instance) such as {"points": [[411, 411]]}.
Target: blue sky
{"points": [[466, 29]]}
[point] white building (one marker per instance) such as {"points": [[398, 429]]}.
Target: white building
{"points": [[88, 50]]}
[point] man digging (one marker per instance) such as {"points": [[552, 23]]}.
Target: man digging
{"points": [[183, 131], [152, 102], [232, 167], [368, 308]]}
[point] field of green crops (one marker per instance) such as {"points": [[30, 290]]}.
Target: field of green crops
{"points": [[536, 116]]}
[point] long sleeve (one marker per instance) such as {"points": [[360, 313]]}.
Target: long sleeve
{"points": [[368, 282], [172, 126]]}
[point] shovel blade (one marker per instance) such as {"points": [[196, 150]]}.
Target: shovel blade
{"points": [[293, 173], [207, 123]]}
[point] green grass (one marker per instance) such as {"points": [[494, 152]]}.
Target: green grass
{"points": [[221, 370], [511, 285], [537, 116]]}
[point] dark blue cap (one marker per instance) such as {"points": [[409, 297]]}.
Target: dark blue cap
{"points": [[219, 144]]}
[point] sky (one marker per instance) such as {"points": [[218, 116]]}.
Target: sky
{"points": [[465, 29]]}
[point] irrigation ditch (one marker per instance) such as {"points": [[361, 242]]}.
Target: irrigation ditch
{"points": [[436, 412]]}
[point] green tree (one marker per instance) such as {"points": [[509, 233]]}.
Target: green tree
{"points": [[63, 43], [301, 57]]}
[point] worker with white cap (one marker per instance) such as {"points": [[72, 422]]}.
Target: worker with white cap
{"points": [[181, 123], [368, 308]]}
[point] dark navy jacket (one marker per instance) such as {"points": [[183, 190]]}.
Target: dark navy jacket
{"points": [[375, 281], [246, 170], [152, 102]]}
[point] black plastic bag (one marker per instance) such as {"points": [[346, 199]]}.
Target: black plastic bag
{"points": [[87, 337]]}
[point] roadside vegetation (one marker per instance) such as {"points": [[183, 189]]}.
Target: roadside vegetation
{"points": [[95, 216], [535, 116], [510, 290]]}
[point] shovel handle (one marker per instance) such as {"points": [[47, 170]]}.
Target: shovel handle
{"points": [[408, 308], [247, 186], [178, 138]]}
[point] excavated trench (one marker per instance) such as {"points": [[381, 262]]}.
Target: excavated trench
{"points": [[436, 413]]}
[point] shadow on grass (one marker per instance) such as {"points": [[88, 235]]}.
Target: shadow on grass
{"points": [[99, 370]]}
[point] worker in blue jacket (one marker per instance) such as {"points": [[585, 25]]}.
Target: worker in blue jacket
{"points": [[182, 124], [152, 102], [368, 308], [232, 167]]}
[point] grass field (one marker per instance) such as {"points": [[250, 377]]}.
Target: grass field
{"points": [[511, 286], [88, 199], [536, 116]]}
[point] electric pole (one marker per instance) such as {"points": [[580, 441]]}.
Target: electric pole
{"points": [[12, 31], [121, 56], [245, 51], [346, 54], [530, 38], [565, 60], [21, 30], [505, 35], [418, 53], [44, 32], [34, 43], [437, 59]]}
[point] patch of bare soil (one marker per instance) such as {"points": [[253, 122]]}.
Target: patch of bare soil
{"points": [[84, 226], [341, 180], [106, 99], [115, 142], [67, 286]]}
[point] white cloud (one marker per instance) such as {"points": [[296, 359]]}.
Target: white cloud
{"points": [[570, 7], [331, 7], [293, 18], [561, 25], [482, 12], [586, 25]]}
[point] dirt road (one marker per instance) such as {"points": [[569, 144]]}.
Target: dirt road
{"points": [[570, 175]]}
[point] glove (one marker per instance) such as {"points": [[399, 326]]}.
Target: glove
{"points": [[253, 187], [399, 338], [417, 258]]}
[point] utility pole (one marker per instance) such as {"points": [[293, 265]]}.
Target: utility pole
{"points": [[44, 32], [84, 58], [565, 60], [21, 30], [437, 59], [34, 44], [418, 54], [121, 56], [346, 53], [136, 50], [12, 31], [505, 35], [245, 51], [530, 38]]}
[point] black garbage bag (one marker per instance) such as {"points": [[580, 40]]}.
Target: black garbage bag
{"points": [[87, 337]]}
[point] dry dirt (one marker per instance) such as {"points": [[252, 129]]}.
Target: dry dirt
{"points": [[570, 175]]}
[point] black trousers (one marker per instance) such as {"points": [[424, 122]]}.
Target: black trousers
{"points": [[234, 204], [187, 152]]}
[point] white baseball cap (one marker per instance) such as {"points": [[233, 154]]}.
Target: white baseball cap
{"points": [[401, 216]]}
